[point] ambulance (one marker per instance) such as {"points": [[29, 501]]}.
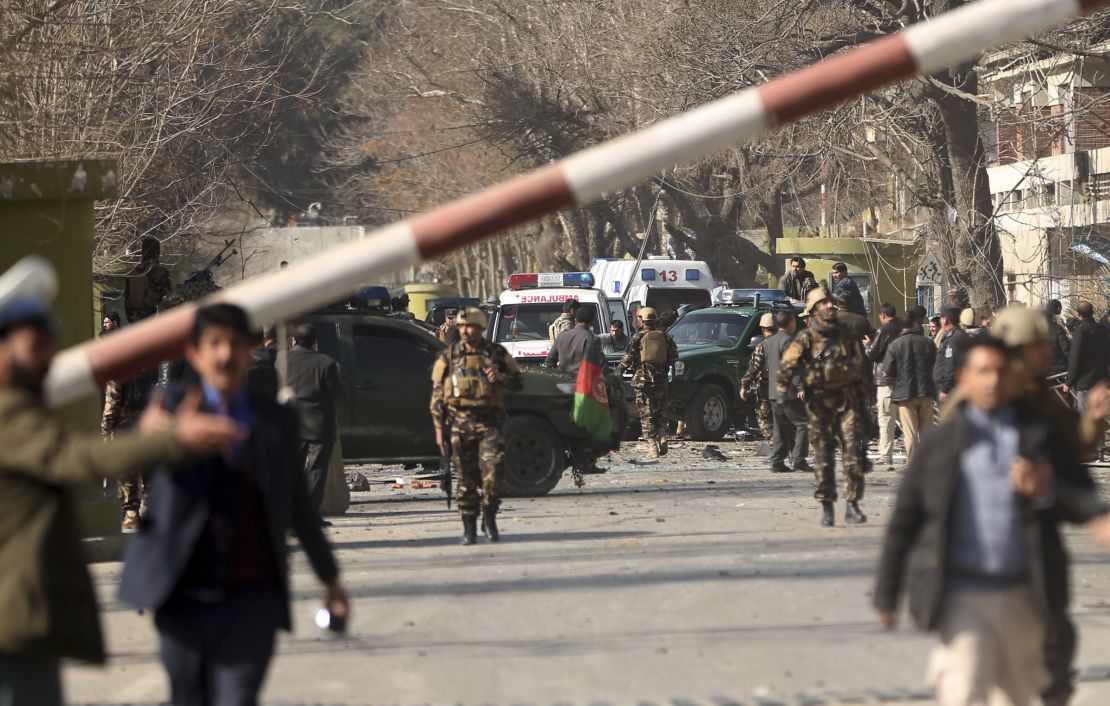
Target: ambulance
{"points": [[664, 285], [532, 303]]}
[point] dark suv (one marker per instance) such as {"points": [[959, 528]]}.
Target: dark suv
{"points": [[384, 417], [713, 354]]}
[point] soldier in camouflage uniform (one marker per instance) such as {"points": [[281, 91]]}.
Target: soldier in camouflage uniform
{"points": [[757, 375], [123, 405], [468, 381], [565, 321], [650, 354], [148, 284], [830, 362]]}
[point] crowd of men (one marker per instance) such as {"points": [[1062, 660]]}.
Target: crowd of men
{"points": [[998, 413]]}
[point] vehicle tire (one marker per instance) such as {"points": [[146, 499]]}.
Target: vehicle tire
{"points": [[707, 415], [534, 457]]}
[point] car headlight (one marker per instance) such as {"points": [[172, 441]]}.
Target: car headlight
{"points": [[679, 369]]}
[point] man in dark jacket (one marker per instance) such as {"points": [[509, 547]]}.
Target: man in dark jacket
{"points": [[574, 345], [790, 435], [876, 349], [847, 286], [262, 376], [798, 281], [909, 363], [973, 538], [950, 339], [210, 555], [1061, 344], [316, 384], [1089, 356]]}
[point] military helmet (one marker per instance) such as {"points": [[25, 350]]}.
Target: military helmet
{"points": [[647, 313], [472, 316], [967, 317], [815, 297], [1017, 326], [767, 320]]}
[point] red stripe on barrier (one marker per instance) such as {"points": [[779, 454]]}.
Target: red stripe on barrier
{"points": [[518, 201], [838, 78], [129, 350]]}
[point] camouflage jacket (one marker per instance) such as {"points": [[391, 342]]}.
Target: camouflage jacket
{"points": [[123, 404], [824, 357], [631, 359], [563, 323], [757, 369], [499, 360], [144, 291]]}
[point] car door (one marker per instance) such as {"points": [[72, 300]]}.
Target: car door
{"points": [[329, 341], [390, 390]]}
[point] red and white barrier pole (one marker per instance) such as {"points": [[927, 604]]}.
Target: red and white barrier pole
{"points": [[925, 48]]}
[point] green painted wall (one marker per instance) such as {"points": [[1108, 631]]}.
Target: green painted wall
{"points": [[46, 208]]}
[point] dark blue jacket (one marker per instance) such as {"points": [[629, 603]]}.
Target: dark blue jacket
{"points": [[855, 298], [180, 504]]}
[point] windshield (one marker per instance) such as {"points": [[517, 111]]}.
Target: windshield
{"points": [[529, 322], [666, 301], [721, 330]]}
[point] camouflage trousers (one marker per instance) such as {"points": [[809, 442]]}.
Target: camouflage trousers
{"points": [[836, 419], [133, 492], [478, 447], [765, 415], [650, 395]]}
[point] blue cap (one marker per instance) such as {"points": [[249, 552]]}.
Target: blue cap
{"points": [[26, 310]]}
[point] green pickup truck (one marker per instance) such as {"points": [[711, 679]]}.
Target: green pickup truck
{"points": [[713, 354], [386, 364]]}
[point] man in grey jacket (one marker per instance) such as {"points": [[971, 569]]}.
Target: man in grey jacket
{"points": [[791, 425], [574, 345]]}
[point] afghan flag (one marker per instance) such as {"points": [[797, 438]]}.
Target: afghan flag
{"points": [[591, 399]]}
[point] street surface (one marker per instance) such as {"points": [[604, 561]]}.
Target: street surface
{"points": [[683, 580]]}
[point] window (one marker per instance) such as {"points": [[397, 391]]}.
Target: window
{"points": [[380, 350], [529, 322], [721, 330]]}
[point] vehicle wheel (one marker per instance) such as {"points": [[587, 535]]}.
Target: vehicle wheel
{"points": [[707, 414], [534, 457]]}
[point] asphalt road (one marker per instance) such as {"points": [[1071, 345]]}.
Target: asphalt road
{"points": [[686, 580]]}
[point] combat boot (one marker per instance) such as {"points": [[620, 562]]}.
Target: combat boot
{"points": [[853, 515], [828, 514], [662, 446], [470, 529], [653, 447], [130, 521], [489, 525]]}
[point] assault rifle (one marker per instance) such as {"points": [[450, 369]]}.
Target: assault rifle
{"points": [[445, 477], [220, 259]]}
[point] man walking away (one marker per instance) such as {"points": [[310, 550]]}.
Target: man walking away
{"points": [[846, 285], [948, 341], [262, 377], [798, 281], [909, 363], [316, 383], [575, 345], [889, 328], [1061, 344], [791, 426], [649, 356], [565, 321], [210, 559], [616, 341], [968, 540], [1089, 355]]}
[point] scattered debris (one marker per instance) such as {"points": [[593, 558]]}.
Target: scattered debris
{"points": [[357, 482], [713, 453]]}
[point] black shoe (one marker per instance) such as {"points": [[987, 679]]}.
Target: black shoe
{"points": [[780, 469], [470, 529], [803, 467], [713, 453], [489, 525], [828, 514], [324, 523], [853, 515], [594, 470]]}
